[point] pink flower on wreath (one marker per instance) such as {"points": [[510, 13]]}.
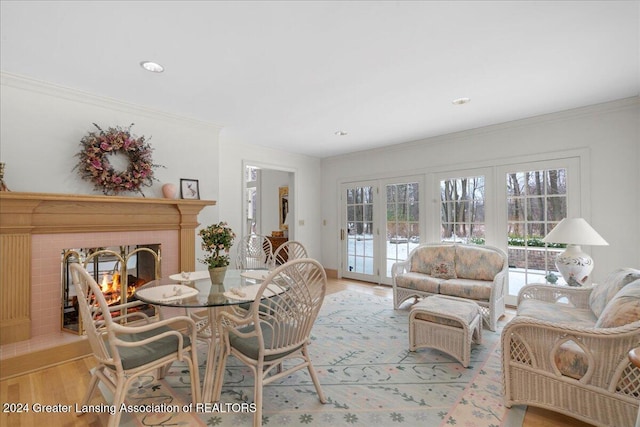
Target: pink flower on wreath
{"points": [[96, 164], [104, 146]]}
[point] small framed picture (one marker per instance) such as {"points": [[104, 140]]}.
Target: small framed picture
{"points": [[189, 189]]}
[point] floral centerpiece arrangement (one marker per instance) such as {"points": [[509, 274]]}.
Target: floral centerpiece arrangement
{"points": [[217, 240], [94, 164]]}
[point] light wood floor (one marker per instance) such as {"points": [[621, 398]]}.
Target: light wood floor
{"points": [[65, 384]]}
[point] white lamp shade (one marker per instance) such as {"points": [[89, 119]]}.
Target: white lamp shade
{"points": [[574, 265], [575, 231]]}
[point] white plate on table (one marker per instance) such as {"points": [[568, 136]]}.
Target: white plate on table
{"points": [[248, 293], [192, 275], [255, 274], [166, 293]]}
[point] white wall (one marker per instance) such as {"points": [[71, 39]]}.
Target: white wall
{"points": [[607, 133], [42, 125], [307, 203], [41, 128]]}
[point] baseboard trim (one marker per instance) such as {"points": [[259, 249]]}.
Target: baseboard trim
{"points": [[331, 274], [42, 359]]}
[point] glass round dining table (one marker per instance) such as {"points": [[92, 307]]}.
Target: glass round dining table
{"points": [[194, 290]]}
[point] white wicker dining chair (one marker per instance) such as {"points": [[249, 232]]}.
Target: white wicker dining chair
{"points": [[275, 328], [288, 251], [254, 252], [126, 351]]}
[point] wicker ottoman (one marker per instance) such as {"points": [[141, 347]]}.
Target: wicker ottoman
{"points": [[447, 324]]}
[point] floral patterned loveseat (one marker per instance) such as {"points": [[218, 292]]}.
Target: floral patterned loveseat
{"points": [[567, 350], [478, 273]]}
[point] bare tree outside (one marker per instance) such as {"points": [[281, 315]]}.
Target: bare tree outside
{"points": [[536, 202], [463, 209]]}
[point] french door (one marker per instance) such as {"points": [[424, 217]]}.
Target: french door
{"points": [[357, 233], [381, 225], [537, 196], [403, 205]]}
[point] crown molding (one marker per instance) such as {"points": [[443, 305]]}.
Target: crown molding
{"points": [[605, 107], [57, 91]]}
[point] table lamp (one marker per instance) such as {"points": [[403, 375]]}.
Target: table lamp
{"points": [[574, 265]]}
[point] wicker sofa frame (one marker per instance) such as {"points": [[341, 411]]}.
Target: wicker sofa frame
{"points": [[608, 393], [491, 309]]}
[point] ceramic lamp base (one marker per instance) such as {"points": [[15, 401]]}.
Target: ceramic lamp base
{"points": [[575, 266]]}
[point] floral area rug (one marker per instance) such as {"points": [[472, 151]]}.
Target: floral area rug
{"points": [[360, 350]]}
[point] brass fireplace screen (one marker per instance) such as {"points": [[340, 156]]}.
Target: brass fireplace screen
{"points": [[118, 270]]}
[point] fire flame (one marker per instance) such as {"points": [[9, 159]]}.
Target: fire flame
{"points": [[104, 285], [112, 286], [115, 284]]}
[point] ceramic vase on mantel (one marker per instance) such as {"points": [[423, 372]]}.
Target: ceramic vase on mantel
{"points": [[217, 275], [169, 191]]}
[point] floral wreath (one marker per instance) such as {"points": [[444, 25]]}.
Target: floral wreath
{"points": [[94, 162]]}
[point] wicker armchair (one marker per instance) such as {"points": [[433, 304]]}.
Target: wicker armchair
{"points": [[275, 329], [288, 251], [254, 253], [572, 357], [126, 352]]}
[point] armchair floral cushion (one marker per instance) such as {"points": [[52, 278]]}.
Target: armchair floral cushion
{"points": [[558, 313], [604, 292], [623, 309]]}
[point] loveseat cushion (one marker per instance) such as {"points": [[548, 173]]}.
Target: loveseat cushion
{"points": [[477, 263], [604, 292], [624, 307], [478, 290], [425, 258], [556, 312], [419, 282]]}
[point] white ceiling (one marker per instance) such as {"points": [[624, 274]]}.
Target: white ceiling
{"points": [[289, 74]]}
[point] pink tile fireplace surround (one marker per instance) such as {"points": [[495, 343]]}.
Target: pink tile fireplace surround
{"points": [[36, 227], [46, 285]]}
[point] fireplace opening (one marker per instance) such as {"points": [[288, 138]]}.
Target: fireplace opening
{"points": [[119, 270]]}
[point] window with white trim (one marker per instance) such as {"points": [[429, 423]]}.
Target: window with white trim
{"points": [[462, 210], [536, 202]]}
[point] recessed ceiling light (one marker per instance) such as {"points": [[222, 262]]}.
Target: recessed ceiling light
{"points": [[154, 67], [340, 133], [461, 101]]}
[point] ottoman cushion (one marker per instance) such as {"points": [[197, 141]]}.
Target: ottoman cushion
{"points": [[429, 308]]}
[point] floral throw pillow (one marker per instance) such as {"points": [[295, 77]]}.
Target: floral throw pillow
{"points": [[623, 309], [444, 270]]}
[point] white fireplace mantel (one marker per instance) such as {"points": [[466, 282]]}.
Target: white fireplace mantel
{"points": [[23, 215]]}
